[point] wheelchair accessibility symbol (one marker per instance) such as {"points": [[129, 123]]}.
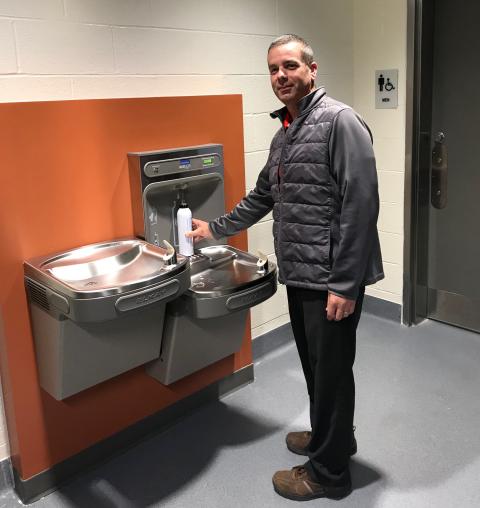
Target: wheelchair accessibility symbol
{"points": [[386, 88], [389, 86], [382, 86]]}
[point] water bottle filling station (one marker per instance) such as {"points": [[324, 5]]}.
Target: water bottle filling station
{"points": [[208, 321]]}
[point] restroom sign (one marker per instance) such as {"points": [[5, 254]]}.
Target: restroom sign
{"points": [[386, 89]]}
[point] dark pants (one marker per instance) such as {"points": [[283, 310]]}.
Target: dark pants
{"points": [[327, 353]]}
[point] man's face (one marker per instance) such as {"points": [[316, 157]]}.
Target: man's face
{"points": [[290, 76]]}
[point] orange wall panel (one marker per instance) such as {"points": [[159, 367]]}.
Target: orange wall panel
{"points": [[64, 183]]}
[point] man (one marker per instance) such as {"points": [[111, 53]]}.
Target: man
{"points": [[320, 180]]}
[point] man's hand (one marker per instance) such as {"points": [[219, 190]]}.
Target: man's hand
{"points": [[201, 231], [338, 307]]}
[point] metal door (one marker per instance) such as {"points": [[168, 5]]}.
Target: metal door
{"points": [[453, 277]]}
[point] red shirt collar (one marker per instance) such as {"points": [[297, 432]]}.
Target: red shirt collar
{"points": [[287, 120]]}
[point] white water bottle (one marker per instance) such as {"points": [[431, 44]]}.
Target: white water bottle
{"points": [[184, 224]]}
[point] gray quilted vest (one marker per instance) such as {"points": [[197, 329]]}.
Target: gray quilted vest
{"points": [[306, 198]]}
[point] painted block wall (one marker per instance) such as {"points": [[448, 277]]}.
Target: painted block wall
{"points": [[80, 49], [380, 42], [82, 202]]}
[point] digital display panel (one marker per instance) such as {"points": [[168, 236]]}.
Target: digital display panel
{"points": [[207, 161], [184, 163]]}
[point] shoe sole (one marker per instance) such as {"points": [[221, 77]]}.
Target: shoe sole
{"points": [[331, 493]]}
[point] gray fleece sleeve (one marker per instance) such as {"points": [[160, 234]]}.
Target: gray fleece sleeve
{"points": [[255, 205], [352, 163]]}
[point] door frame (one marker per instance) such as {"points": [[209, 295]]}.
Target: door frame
{"points": [[417, 159]]}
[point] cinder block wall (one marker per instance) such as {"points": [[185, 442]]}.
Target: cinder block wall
{"points": [[81, 49], [380, 42]]}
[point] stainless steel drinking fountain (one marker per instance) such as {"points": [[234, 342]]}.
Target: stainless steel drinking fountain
{"points": [[206, 323], [98, 310]]}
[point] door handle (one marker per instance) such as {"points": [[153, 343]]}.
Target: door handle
{"points": [[439, 172]]}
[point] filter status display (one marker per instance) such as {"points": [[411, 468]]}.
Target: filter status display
{"points": [[184, 163], [160, 168]]}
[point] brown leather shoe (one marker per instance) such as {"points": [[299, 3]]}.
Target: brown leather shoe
{"points": [[297, 442], [298, 485]]}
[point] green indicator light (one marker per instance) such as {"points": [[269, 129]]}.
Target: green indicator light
{"points": [[208, 160]]}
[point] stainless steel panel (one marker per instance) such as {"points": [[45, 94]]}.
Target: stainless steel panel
{"points": [[410, 313], [72, 357], [190, 344], [207, 307], [203, 193], [148, 296], [104, 269], [221, 270], [183, 164], [154, 209], [454, 243], [86, 336], [454, 309], [250, 297]]}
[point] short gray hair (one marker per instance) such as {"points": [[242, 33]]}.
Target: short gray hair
{"points": [[307, 51]]}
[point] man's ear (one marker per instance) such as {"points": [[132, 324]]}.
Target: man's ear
{"points": [[313, 69]]}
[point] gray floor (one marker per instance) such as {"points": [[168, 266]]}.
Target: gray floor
{"points": [[418, 414]]}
